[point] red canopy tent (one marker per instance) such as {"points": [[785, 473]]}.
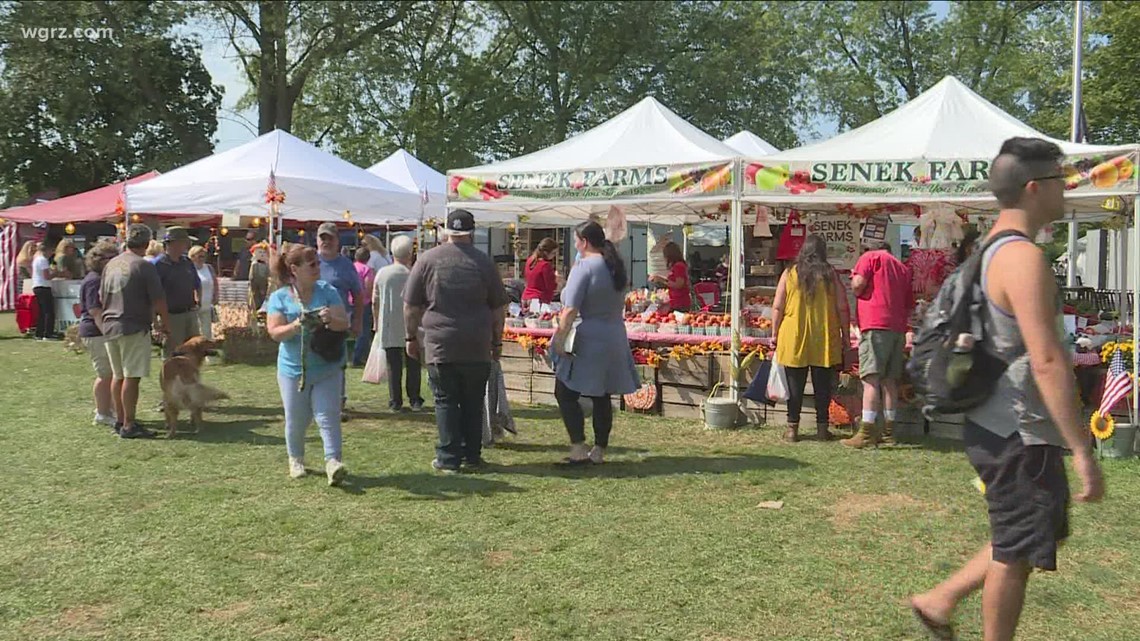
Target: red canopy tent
{"points": [[97, 204]]}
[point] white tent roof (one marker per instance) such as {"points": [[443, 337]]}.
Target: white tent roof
{"points": [[318, 186], [750, 144], [946, 122], [645, 135], [409, 172]]}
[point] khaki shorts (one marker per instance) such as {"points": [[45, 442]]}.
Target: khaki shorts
{"points": [[130, 355], [881, 354], [182, 328], [100, 359]]}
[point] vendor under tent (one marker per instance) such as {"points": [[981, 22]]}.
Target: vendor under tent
{"points": [[750, 145], [103, 203], [932, 155], [310, 185]]}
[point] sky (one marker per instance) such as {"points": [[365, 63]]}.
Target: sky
{"points": [[236, 128]]}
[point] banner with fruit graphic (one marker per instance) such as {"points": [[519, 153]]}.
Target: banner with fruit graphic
{"points": [[659, 182], [1111, 173]]}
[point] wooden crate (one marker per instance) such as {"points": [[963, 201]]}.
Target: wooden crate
{"points": [[540, 364], [514, 364], [541, 383], [511, 349], [693, 372], [543, 398], [676, 410]]}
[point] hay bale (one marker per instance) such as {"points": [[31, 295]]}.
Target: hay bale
{"points": [[249, 346]]}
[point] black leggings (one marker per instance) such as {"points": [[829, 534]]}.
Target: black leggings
{"points": [[822, 379], [45, 322], [575, 419]]}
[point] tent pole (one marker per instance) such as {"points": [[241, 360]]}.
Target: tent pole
{"points": [[1135, 278], [735, 246], [1075, 129]]}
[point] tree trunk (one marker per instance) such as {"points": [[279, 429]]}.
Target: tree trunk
{"points": [[269, 42]]}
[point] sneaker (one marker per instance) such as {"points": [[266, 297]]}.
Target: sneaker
{"points": [[100, 419], [296, 468], [417, 406], [117, 427], [597, 455], [443, 469], [396, 408], [136, 431], [336, 471], [476, 465]]}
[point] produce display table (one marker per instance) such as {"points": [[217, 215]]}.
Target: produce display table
{"points": [[651, 337]]}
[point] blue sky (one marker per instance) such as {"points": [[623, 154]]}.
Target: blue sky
{"points": [[235, 128]]}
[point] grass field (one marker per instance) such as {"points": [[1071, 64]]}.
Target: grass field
{"points": [[205, 536]]}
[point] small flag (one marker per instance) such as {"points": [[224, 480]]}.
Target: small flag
{"points": [[1117, 384], [424, 195]]}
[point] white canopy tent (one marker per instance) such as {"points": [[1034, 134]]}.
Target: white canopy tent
{"points": [[647, 159], [318, 186], [750, 145], [407, 171]]}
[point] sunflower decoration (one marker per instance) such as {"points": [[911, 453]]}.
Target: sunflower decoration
{"points": [[1102, 426]]}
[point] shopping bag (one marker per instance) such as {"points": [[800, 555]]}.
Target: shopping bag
{"points": [[777, 382], [758, 389], [791, 238], [376, 368]]}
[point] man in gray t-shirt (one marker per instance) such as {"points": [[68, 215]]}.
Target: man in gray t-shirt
{"points": [[455, 294]]}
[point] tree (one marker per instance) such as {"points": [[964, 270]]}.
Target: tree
{"points": [[281, 44], [1111, 89], [80, 111]]}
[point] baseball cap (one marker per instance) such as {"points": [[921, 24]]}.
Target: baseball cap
{"points": [[327, 229], [138, 235], [459, 223], [175, 234]]}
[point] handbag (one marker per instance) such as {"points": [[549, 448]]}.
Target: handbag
{"points": [[791, 238]]}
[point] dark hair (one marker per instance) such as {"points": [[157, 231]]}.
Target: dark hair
{"points": [[595, 237], [672, 252], [1020, 161], [362, 254], [812, 267], [98, 256], [545, 246], [295, 255], [966, 245]]}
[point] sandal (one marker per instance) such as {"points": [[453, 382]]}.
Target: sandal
{"points": [[937, 631]]}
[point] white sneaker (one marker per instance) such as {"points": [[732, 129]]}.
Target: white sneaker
{"points": [[597, 455], [100, 419], [335, 470], [296, 468]]}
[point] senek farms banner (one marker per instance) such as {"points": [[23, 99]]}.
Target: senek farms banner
{"points": [[1114, 173], [662, 181]]}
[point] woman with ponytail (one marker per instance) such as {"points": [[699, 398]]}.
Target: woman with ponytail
{"points": [[599, 363], [541, 280]]}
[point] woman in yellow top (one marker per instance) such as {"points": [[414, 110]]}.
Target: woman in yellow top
{"points": [[811, 320]]}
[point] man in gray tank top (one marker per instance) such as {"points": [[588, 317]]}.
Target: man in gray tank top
{"points": [[1015, 440]]}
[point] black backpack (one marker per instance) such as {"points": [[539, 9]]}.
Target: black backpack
{"points": [[959, 307]]}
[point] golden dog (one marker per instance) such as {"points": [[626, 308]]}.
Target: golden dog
{"points": [[182, 388]]}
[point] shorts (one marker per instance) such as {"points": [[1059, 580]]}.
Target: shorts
{"points": [[130, 355], [1027, 493], [183, 327], [881, 354], [100, 359]]}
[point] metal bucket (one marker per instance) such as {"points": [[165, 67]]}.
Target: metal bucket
{"points": [[1122, 443], [720, 413]]}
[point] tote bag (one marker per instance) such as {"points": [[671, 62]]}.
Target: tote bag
{"points": [[791, 238]]}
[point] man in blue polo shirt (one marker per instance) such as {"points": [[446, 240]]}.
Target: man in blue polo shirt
{"points": [[337, 270]]}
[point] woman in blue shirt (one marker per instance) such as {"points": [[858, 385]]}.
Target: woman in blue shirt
{"points": [[310, 385]]}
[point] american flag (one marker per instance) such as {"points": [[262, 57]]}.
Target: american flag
{"points": [[424, 199], [1117, 385], [9, 248]]}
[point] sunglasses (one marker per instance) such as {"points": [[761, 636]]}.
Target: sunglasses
{"points": [[1049, 177]]}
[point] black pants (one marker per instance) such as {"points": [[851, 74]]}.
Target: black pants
{"points": [[397, 358], [45, 322], [822, 379], [459, 389], [575, 420]]}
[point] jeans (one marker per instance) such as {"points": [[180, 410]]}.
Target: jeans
{"points": [[822, 380], [459, 389], [364, 340], [575, 420], [397, 358], [319, 400], [45, 321]]}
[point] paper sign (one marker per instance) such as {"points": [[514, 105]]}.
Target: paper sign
{"points": [[1070, 324], [231, 218], [875, 229], [840, 234]]}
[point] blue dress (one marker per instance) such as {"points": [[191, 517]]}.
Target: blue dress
{"points": [[602, 363]]}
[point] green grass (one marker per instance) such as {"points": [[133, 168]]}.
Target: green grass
{"points": [[205, 537]]}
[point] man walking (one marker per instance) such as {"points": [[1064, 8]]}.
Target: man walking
{"points": [[132, 295], [1014, 440], [883, 300], [182, 287], [388, 310], [456, 294], [337, 270]]}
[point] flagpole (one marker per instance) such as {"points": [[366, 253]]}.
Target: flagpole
{"points": [[1075, 128]]}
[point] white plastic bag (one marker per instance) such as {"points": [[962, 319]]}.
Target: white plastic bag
{"points": [[777, 389], [376, 368]]}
